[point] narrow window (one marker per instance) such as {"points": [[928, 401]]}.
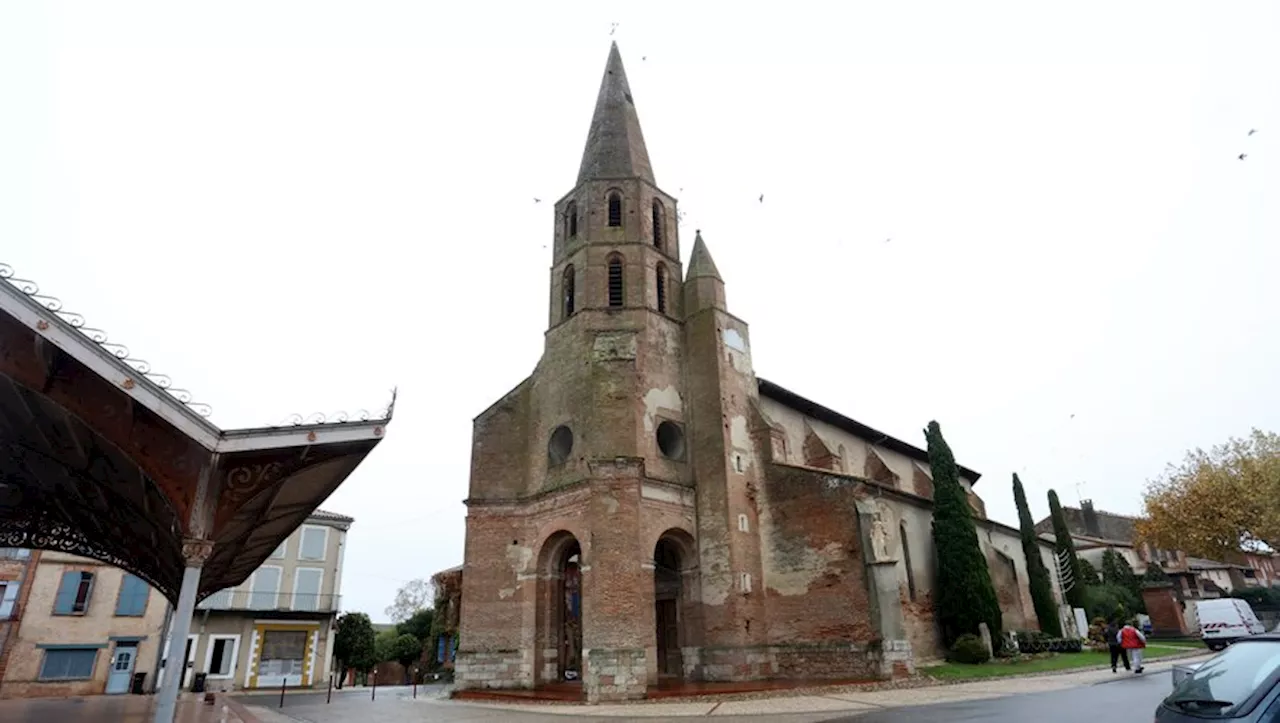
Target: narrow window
{"points": [[314, 540], [571, 220], [615, 209], [745, 582], [73, 593], [657, 223], [744, 525], [568, 290], [615, 281], [661, 278], [134, 592], [906, 560]]}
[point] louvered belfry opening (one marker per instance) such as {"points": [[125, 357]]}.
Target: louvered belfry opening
{"points": [[615, 281], [657, 223], [661, 281], [615, 209], [568, 290]]}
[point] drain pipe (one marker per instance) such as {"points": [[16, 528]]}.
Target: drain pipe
{"points": [[165, 632]]}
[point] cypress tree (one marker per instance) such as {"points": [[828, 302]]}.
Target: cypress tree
{"points": [[1066, 548], [1038, 580], [965, 596]]}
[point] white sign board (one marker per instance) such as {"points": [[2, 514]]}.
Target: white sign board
{"points": [[1082, 623]]}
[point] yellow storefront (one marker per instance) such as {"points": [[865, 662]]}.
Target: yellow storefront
{"points": [[282, 653]]}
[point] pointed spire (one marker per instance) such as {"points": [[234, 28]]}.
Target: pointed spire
{"points": [[700, 263], [615, 145]]}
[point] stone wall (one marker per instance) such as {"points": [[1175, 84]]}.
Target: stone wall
{"points": [[494, 669], [618, 674]]}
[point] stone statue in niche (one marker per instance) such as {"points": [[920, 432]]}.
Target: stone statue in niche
{"points": [[879, 537]]}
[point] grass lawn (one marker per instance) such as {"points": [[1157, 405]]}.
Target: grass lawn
{"points": [[1059, 661]]}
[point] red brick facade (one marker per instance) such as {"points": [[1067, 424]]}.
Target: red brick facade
{"points": [[632, 513]]}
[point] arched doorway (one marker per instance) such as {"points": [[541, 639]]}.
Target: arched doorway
{"points": [[559, 637], [570, 613], [667, 596]]}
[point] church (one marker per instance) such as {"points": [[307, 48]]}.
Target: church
{"points": [[644, 508]]}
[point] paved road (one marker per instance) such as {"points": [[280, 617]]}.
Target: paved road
{"points": [[1121, 700], [1126, 699]]}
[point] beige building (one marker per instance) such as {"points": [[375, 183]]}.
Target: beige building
{"points": [[86, 628], [276, 627]]}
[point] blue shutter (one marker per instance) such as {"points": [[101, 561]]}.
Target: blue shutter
{"points": [[133, 596], [64, 603]]}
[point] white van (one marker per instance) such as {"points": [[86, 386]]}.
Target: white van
{"points": [[1226, 620]]}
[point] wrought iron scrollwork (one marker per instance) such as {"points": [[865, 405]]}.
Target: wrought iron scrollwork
{"points": [[360, 415], [99, 337]]}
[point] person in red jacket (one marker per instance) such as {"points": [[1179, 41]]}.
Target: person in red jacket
{"points": [[1133, 641]]}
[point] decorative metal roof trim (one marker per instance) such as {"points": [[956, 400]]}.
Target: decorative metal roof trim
{"points": [[138, 376]]}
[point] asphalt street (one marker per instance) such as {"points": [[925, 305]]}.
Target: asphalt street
{"points": [[1124, 699]]}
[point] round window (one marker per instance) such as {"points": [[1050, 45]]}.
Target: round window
{"points": [[560, 445], [671, 440]]}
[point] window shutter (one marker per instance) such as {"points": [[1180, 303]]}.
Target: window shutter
{"points": [[65, 601], [133, 596]]}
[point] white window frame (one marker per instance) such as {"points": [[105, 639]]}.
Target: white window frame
{"points": [[324, 549], [744, 523], [208, 656], [297, 573], [253, 584]]}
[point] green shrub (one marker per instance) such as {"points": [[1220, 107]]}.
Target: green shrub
{"points": [[1109, 601], [1258, 596], [969, 649]]}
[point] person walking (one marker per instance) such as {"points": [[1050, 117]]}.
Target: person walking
{"points": [[1133, 641], [1118, 653]]}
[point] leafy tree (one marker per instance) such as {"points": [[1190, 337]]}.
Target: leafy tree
{"points": [[1066, 549], [414, 596], [1216, 502], [418, 625], [1089, 573], [1038, 580], [353, 644], [1258, 597], [405, 649], [1117, 571], [965, 596]]}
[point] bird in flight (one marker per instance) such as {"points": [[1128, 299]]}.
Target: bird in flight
{"points": [[888, 239], [1242, 156], [612, 27], [644, 57], [762, 198], [1252, 131], [537, 200]]}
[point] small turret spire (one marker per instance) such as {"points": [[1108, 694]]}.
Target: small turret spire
{"points": [[615, 145], [700, 263]]}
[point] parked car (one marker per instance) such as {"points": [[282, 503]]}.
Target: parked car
{"points": [[1241, 684], [1225, 620]]}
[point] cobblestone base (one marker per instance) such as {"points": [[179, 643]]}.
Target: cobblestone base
{"points": [[493, 669], [618, 674]]}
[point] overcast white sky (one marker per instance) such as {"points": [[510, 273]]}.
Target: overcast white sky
{"points": [[294, 206]]}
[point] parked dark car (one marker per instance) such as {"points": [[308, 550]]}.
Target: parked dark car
{"points": [[1240, 684]]}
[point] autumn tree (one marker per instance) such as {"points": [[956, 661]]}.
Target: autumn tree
{"points": [[1066, 549], [1038, 580], [964, 596], [414, 596], [1219, 501]]}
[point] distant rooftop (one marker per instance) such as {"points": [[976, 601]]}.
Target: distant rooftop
{"points": [[332, 516]]}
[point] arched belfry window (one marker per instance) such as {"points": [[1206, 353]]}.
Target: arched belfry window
{"points": [[660, 279], [615, 208], [658, 217], [567, 289], [571, 220], [615, 280]]}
